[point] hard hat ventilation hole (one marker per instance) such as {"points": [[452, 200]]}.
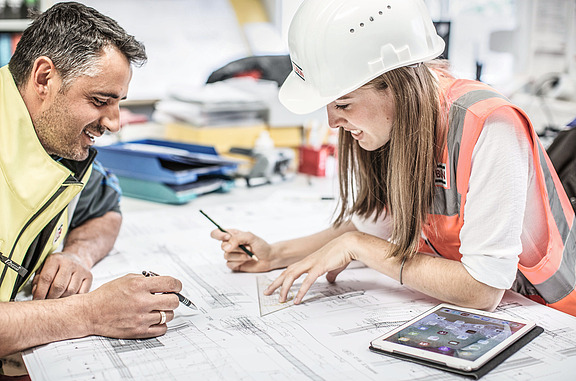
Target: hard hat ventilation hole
{"points": [[371, 18]]}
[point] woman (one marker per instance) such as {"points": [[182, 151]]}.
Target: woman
{"points": [[443, 183]]}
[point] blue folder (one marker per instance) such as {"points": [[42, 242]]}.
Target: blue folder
{"points": [[164, 161], [166, 171], [173, 194]]}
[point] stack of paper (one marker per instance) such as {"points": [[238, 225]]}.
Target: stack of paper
{"points": [[215, 104]]}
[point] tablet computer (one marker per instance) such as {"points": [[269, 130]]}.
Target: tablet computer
{"points": [[453, 337]]}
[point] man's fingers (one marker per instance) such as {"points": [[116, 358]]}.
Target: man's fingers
{"points": [[161, 317], [73, 286], [85, 286], [43, 282], [60, 284], [168, 301], [160, 284]]}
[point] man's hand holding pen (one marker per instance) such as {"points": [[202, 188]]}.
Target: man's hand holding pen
{"points": [[184, 300], [131, 306]]}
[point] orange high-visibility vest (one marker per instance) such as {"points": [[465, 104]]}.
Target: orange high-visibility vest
{"points": [[552, 280]]}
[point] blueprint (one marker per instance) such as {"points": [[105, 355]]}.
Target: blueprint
{"points": [[269, 303], [238, 335]]}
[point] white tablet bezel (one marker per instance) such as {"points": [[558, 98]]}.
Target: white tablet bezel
{"points": [[380, 343]]}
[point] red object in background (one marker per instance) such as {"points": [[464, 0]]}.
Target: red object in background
{"points": [[312, 161], [15, 40], [128, 117], [255, 74]]}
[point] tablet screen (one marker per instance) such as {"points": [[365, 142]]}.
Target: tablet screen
{"points": [[452, 332]]}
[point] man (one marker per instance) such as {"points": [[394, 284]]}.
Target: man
{"points": [[60, 91]]}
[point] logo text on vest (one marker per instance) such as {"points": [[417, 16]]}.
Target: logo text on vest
{"points": [[440, 175]]}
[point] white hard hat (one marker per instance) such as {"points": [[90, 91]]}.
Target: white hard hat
{"points": [[336, 46]]}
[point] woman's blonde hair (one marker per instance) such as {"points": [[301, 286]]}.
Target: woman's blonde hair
{"points": [[397, 178]]}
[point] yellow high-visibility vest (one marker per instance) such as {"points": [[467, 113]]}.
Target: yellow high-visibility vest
{"points": [[35, 191]]}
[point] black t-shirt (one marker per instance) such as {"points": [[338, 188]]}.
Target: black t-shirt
{"points": [[100, 195]]}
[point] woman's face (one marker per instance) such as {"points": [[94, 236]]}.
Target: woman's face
{"points": [[366, 113]]}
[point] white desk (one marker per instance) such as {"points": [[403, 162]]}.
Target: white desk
{"points": [[325, 339]]}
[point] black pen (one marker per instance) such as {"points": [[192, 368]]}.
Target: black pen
{"points": [[244, 249], [184, 300]]}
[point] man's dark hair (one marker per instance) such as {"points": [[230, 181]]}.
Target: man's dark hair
{"points": [[73, 36]]}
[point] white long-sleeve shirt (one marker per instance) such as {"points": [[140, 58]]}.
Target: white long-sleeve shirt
{"points": [[503, 212]]}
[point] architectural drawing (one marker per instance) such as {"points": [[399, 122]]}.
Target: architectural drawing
{"points": [[235, 335]]}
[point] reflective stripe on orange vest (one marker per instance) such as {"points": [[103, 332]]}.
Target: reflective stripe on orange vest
{"points": [[561, 283], [553, 278]]}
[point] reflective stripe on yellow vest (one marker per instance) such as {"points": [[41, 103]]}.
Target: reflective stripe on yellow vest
{"points": [[553, 278]]}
